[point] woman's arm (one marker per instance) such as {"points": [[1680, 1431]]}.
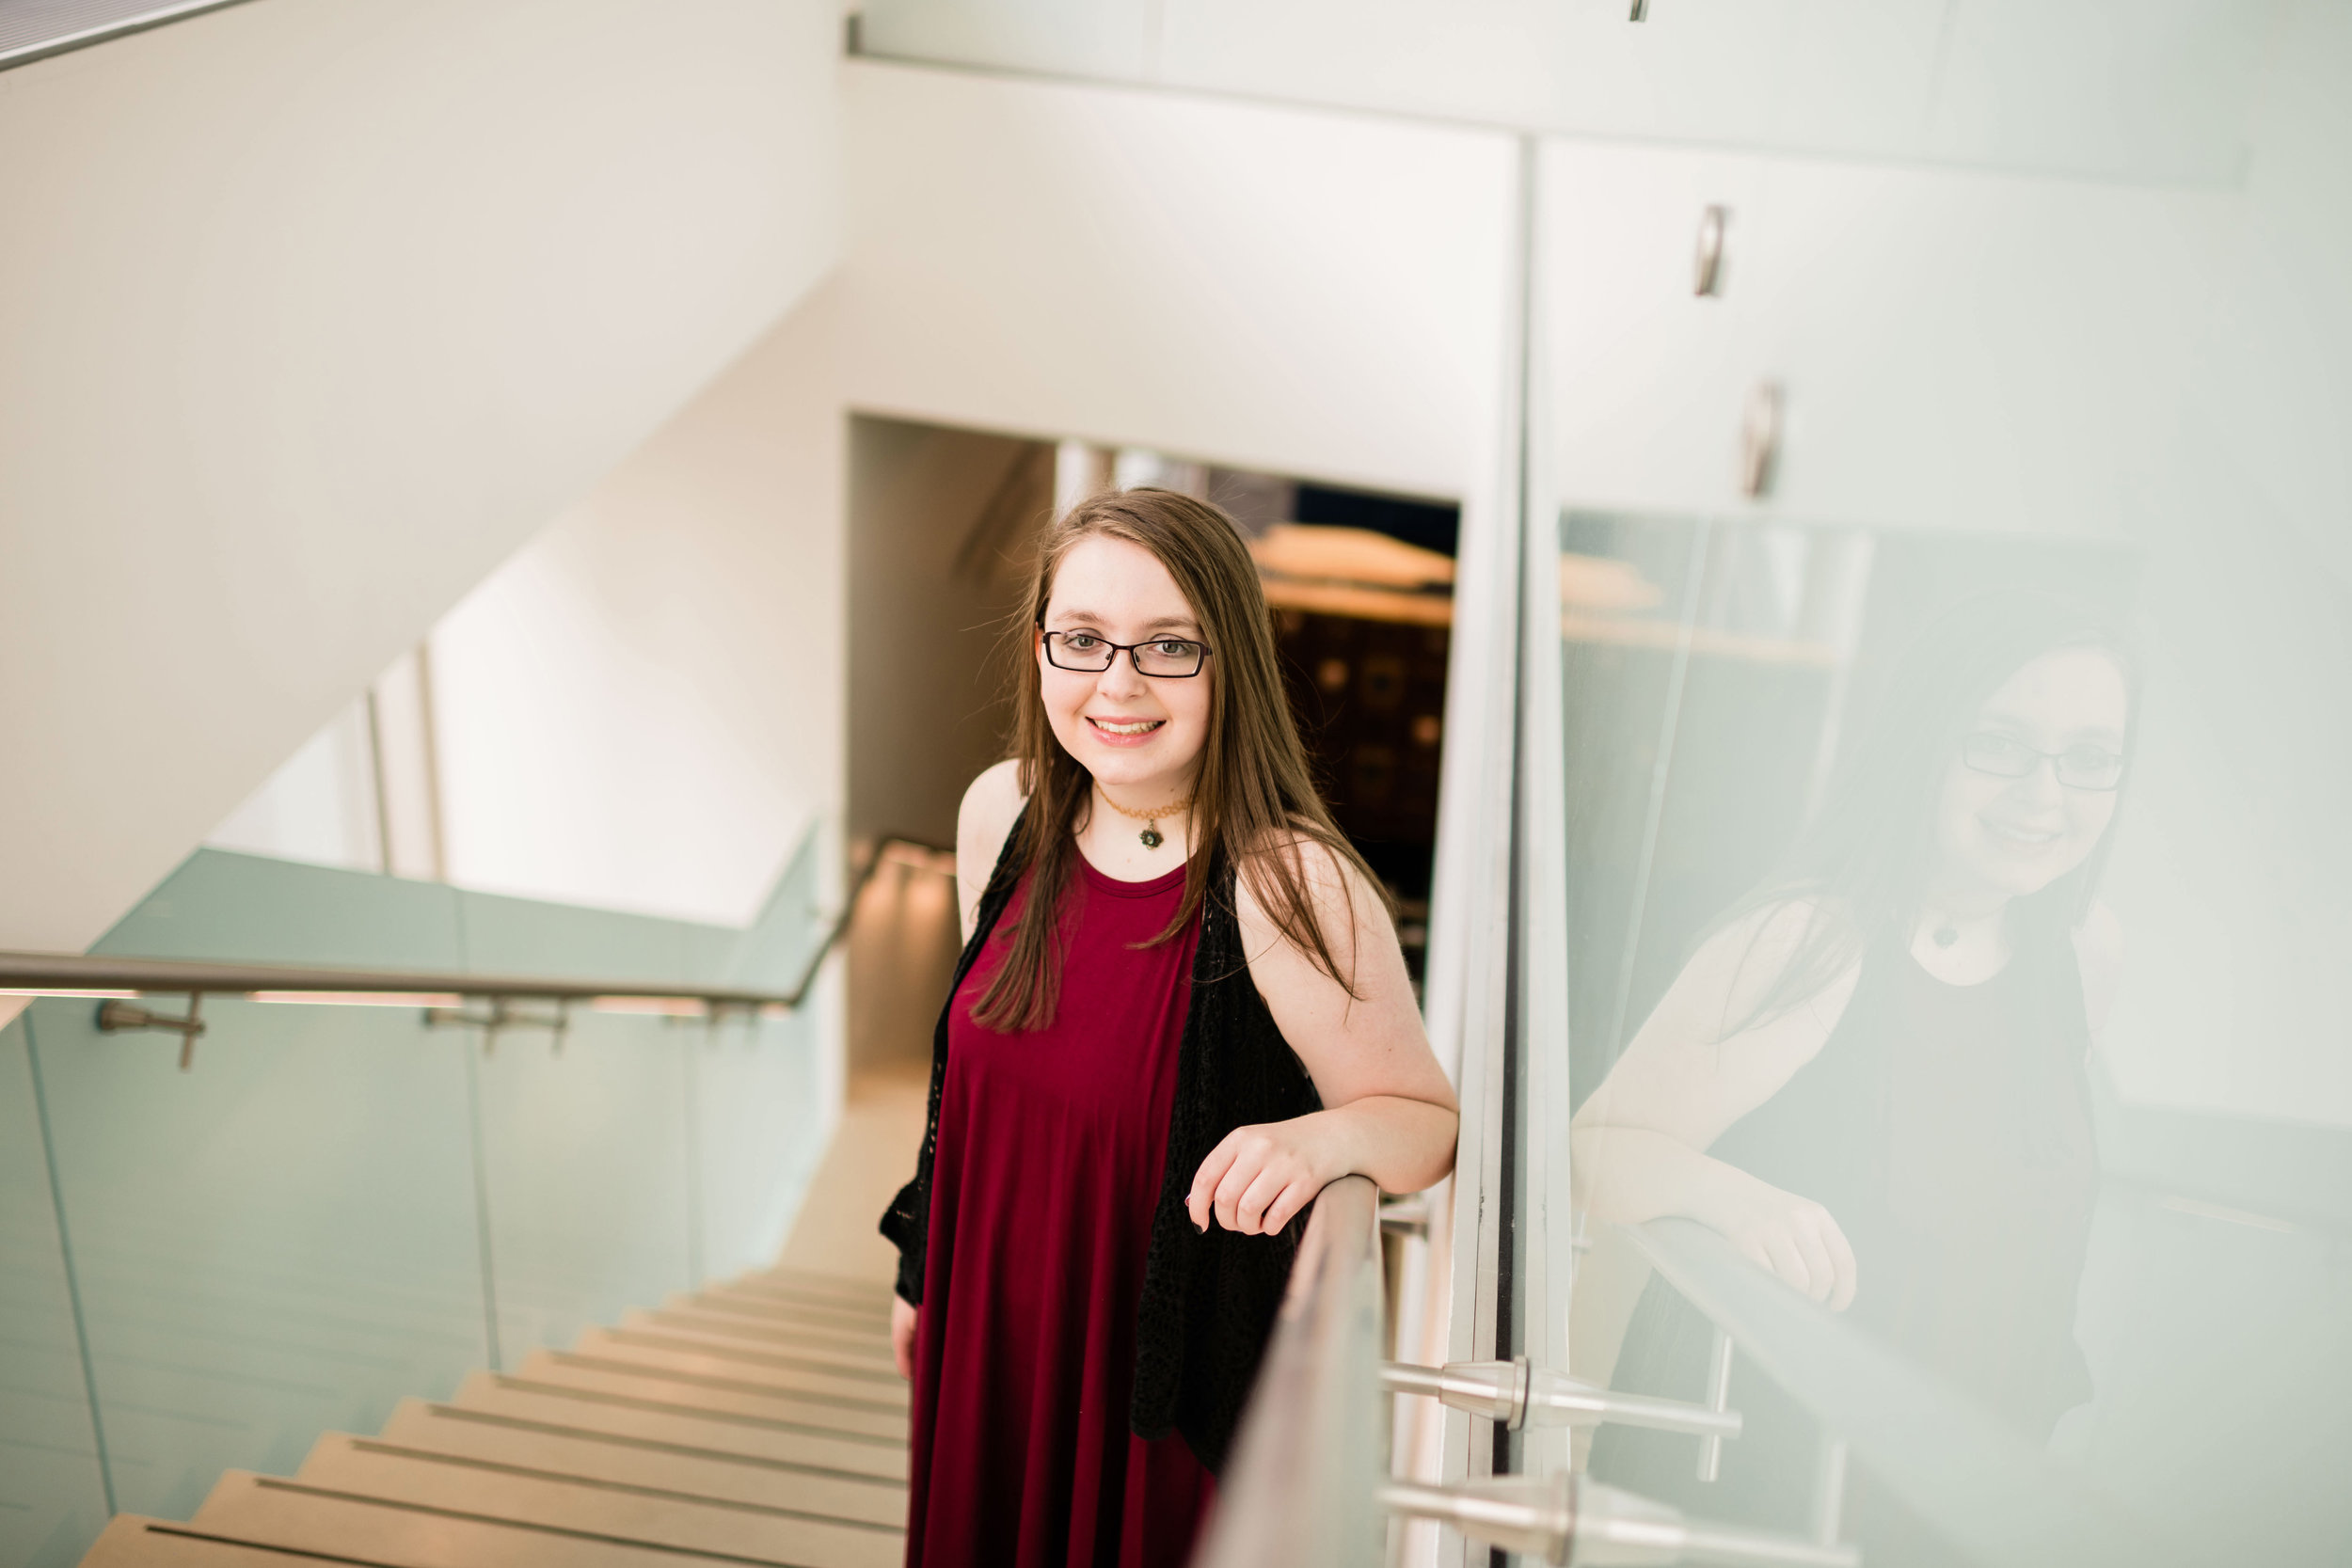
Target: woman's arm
{"points": [[1637, 1147], [1388, 1112]]}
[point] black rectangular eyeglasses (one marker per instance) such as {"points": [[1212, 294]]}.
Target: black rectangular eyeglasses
{"points": [[1162, 658], [2084, 766]]}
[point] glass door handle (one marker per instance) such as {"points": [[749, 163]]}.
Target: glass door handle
{"points": [[1518, 1394]]}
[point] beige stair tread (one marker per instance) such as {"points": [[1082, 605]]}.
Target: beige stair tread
{"points": [[848, 1287], [700, 1393], [132, 1542], [786, 1288], [833, 1491], [598, 1350], [881, 1388], [719, 1329], [869, 1336], [769, 1309], [654, 1421], [291, 1515], [729, 1298], [643, 1515]]}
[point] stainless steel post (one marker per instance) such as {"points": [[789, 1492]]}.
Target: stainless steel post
{"points": [[1718, 1398], [1576, 1521]]}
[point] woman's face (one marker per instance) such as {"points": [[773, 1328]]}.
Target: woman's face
{"points": [[1139, 736], [2011, 836]]}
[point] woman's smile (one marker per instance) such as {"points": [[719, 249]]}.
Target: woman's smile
{"points": [[1124, 731], [2020, 833]]}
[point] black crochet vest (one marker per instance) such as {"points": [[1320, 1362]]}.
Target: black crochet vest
{"points": [[1208, 1300]]}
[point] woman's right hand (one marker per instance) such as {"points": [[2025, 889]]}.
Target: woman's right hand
{"points": [[1790, 1236], [902, 1336]]}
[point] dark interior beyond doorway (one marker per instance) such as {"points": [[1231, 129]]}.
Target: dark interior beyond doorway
{"points": [[1361, 588]]}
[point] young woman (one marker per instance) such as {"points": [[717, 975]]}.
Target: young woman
{"points": [[1872, 1076], [1181, 1011]]}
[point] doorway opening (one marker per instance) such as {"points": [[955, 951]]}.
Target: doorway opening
{"points": [[943, 525]]}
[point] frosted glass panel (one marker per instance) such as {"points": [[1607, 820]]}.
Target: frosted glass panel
{"points": [[330, 1209], [1938, 908], [276, 1242], [755, 1089], [586, 1152], [51, 1496]]}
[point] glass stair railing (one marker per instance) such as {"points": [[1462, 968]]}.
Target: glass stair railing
{"points": [[327, 1210]]}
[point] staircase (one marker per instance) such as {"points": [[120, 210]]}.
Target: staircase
{"points": [[757, 1421]]}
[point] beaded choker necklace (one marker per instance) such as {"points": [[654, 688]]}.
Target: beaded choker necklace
{"points": [[1152, 837]]}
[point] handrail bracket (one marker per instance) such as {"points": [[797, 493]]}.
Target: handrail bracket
{"points": [[118, 1016]]}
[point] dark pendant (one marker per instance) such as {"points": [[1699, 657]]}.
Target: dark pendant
{"points": [[1152, 839]]}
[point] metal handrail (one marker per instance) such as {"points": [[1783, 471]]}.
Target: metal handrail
{"points": [[1298, 1490], [101, 976], [47, 30]]}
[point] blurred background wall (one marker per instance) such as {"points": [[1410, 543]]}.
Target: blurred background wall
{"points": [[332, 308]]}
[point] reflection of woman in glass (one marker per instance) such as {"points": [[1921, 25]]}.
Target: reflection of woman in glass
{"points": [[1871, 1076]]}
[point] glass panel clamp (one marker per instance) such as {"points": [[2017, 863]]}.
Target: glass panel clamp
{"points": [[1518, 1394]]}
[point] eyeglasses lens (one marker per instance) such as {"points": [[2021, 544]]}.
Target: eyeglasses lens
{"points": [[2077, 766], [1172, 657], [1089, 654], [2090, 768]]}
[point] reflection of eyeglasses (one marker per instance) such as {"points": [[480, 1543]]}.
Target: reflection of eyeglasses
{"points": [[2084, 766], [1163, 657]]}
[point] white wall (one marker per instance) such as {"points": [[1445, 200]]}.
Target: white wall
{"points": [[1298, 292], [643, 707], [320, 805], [313, 310]]}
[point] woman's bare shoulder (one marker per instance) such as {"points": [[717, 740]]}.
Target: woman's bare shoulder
{"points": [[1331, 878], [1712, 1051], [996, 789], [992, 804], [1770, 933], [1744, 961]]}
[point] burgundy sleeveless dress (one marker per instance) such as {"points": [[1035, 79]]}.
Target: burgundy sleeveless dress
{"points": [[1047, 1169]]}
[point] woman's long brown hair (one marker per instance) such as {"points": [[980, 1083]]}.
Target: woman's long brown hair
{"points": [[1254, 804]]}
